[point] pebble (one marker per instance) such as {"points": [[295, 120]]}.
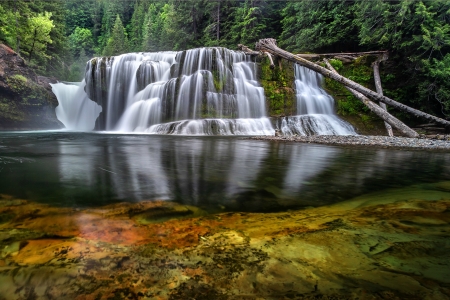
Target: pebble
{"points": [[431, 142]]}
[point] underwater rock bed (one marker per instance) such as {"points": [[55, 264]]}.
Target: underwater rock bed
{"points": [[430, 142], [386, 245]]}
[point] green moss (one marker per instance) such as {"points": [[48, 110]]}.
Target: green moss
{"points": [[17, 83], [347, 105], [20, 78], [336, 63], [11, 111], [278, 87], [358, 71], [219, 82]]}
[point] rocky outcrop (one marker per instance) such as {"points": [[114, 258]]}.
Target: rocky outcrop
{"points": [[26, 100]]}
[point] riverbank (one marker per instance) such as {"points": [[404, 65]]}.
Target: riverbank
{"points": [[429, 142]]}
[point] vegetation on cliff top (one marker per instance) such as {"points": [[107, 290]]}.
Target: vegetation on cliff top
{"points": [[57, 37]]}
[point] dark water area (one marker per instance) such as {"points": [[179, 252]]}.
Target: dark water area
{"points": [[74, 169]]}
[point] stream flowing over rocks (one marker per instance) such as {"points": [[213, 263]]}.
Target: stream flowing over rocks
{"points": [[431, 142]]}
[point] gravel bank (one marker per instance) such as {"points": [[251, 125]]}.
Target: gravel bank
{"points": [[434, 142]]}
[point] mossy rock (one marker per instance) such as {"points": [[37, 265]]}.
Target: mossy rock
{"points": [[278, 87]]}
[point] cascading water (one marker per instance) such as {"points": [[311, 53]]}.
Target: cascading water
{"points": [[315, 109], [204, 91], [75, 110]]}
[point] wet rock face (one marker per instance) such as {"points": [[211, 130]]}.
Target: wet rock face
{"points": [[26, 100]]}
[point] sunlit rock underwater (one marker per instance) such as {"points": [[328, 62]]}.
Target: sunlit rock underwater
{"points": [[384, 245], [204, 91]]}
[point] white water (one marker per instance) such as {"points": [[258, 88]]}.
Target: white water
{"points": [[75, 110], [205, 91], [315, 109]]}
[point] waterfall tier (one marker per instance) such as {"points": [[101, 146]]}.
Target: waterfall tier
{"points": [[315, 109], [199, 91]]}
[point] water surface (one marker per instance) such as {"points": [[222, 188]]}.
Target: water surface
{"points": [[215, 173]]}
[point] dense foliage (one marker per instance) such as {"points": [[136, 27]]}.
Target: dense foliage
{"points": [[417, 34], [58, 36]]}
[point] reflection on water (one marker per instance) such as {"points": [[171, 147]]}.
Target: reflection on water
{"points": [[78, 169]]}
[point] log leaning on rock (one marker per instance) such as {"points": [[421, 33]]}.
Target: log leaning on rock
{"points": [[270, 45], [379, 111]]}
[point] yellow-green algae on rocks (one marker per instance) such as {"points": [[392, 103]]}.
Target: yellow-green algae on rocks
{"points": [[392, 244]]}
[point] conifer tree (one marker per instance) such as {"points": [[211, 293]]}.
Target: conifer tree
{"points": [[118, 42]]}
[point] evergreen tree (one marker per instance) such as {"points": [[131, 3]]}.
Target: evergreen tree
{"points": [[152, 28], [118, 42], [249, 22], [136, 25], [319, 26]]}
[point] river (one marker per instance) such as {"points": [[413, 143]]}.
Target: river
{"points": [[75, 169]]}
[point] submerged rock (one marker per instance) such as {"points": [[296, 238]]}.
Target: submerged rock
{"points": [[391, 244], [26, 100]]}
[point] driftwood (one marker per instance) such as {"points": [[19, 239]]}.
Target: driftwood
{"points": [[270, 45], [379, 89], [249, 51], [380, 112]]}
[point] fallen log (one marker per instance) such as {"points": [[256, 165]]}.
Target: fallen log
{"points": [[380, 112], [271, 46], [247, 50], [379, 89]]}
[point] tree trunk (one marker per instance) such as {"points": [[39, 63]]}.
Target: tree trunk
{"points": [[270, 46], [269, 56], [376, 76], [218, 22], [247, 50], [388, 118], [32, 47], [17, 29]]}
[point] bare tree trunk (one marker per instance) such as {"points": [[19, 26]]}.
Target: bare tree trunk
{"points": [[376, 76], [32, 47], [271, 46], [269, 56], [218, 21], [383, 114]]}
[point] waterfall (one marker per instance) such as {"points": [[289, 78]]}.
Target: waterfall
{"points": [[315, 109], [75, 110], [204, 91]]}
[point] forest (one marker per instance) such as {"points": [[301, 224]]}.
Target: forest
{"points": [[57, 37]]}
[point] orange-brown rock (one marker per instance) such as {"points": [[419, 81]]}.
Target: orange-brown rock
{"points": [[386, 245]]}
